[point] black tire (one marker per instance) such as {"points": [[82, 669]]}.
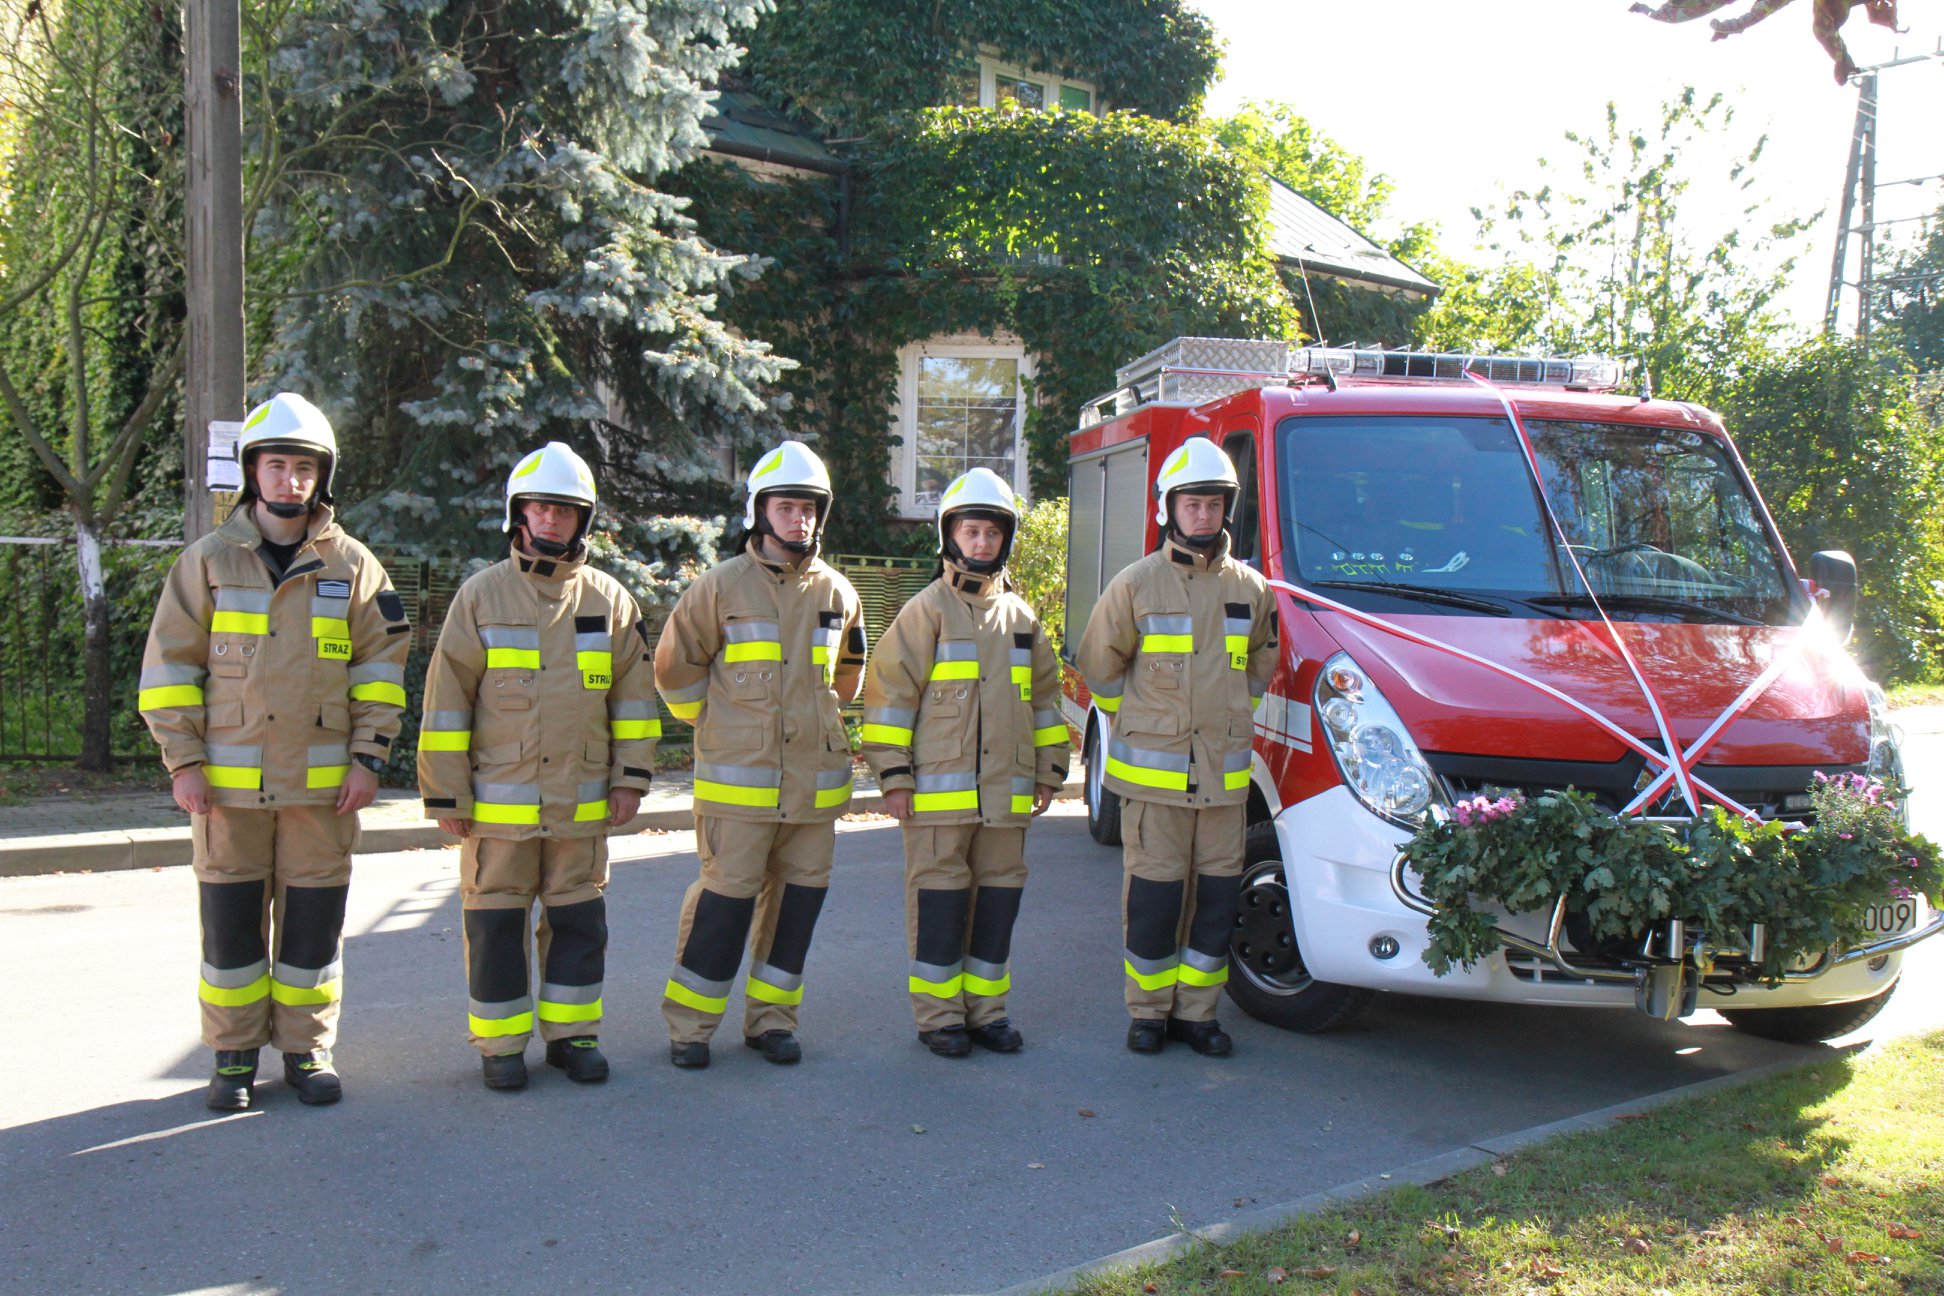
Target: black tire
{"points": [[1267, 978], [1808, 1025], [1103, 806]]}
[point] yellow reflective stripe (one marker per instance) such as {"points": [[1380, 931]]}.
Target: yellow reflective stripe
{"points": [[445, 739], [495, 812], [513, 657], [587, 811], [1168, 643], [979, 985], [558, 1012], [937, 989], [1194, 976], [329, 628], [732, 794], [1168, 780], [1051, 736], [325, 776], [240, 623], [169, 695], [233, 776], [767, 993], [596, 668], [827, 797], [1238, 650], [754, 650], [1022, 804], [1233, 779], [955, 670], [628, 730], [889, 735], [493, 1027], [1156, 981], [681, 994], [379, 691], [330, 992], [819, 654], [684, 710], [225, 998], [1023, 677], [933, 801], [1107, 704]]}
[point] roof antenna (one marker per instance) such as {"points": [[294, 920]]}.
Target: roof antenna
{"points": [[1315, 319], [1646, 387]]}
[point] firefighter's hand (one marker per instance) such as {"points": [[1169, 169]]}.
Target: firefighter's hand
{"points": [[897, 803], [359, 787], [622, 805], [1043, 797], [190, 787], [457, 827]]}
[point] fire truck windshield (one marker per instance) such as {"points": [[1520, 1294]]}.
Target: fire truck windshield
{"points": [[1441, 514]]}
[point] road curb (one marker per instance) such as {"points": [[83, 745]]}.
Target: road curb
{"points": [[1417, 1173]]}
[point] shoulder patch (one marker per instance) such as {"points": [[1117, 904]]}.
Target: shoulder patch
{"points": [[390, 605], [334, 589]]}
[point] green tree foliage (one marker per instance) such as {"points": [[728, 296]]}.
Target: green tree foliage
{"points": [[1910, 314], [1038, 564], [461, 195], [1847, 458]]}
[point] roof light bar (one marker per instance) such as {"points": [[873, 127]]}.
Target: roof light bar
{"points": [[1594, 373]]}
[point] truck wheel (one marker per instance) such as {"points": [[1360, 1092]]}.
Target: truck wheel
{"points": [[1807, 1025], [1267, 978], [1103, 806]]}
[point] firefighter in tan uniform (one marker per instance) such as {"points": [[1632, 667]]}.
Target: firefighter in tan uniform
{"points": [[538, 737], [1177, 652], [962, 731], [274, 681], [759, 655]]}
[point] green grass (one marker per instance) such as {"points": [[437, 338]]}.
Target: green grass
{"points": [[1799, 1183], [1908, 695]]}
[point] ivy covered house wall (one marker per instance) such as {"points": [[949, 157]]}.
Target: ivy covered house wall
{"points": [[972, 214]]}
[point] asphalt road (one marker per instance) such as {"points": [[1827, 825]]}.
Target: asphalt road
{"points": [[872, 1167]]}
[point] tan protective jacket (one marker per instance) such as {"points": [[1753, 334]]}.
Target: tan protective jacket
{"points": [[539, 699], [961, 704], [273, 686], [1178, 651], [760, 658]]}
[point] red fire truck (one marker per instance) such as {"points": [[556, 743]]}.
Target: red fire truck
{"points": [[1430, 655]]}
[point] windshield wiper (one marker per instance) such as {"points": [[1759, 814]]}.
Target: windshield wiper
{"points": [[1645, 603], [1422, 593]]}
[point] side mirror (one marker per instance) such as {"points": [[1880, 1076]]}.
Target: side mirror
{"points": [[1834, 573]]}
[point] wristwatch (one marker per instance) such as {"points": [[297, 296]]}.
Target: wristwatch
{"points": [[370, 762]]}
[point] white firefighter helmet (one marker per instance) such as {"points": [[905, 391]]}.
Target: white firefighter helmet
{"points": [[1197, 466], [794, 469], [979, 491], [553, 472], [288, 421]]}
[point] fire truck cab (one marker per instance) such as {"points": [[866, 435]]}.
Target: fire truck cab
{"points": [[1390, 489]]}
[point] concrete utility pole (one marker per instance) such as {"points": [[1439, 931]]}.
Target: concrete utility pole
{"points": [[213, 252]]}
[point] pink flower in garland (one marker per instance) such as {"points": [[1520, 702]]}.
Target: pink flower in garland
{"points": [[1480, 810]]}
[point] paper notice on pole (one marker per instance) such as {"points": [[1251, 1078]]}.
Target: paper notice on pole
{"points": [[225, 474]]}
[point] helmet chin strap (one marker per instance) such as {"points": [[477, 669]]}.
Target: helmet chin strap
{"points": [[280, 509], [547, 548], [1199, 543]]}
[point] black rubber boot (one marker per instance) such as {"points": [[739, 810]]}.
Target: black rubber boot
{"points": [[778, 1046], [229, 1083], [999, 1035], [1146, 1035], [947, 1041], [313, 1077], [690, 1057], [1205, 1037], [506, 1071], [580, 1057]]}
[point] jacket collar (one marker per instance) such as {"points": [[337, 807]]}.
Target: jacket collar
{"points": [[796, 572], [549, 574], [1183, 556], [971, 586], [240, 527]]}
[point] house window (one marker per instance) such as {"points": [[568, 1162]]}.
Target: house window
{"points": [[962, 405], [999, 83]]}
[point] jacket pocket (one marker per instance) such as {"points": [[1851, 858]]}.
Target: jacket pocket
{"points": [[937, 749], [334, 716], [497, 755], [223, 715], [733, 742], [1161, 724], [595, 756]]}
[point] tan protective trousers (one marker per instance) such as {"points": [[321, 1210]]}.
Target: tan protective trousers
{"points": [[962, 889], [761, 881], [263, 870], [498, 882], [1178, 900]]}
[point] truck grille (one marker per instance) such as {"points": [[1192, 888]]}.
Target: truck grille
{"points": [[1772, 791]]}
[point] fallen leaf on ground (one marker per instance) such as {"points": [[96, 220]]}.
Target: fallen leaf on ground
{"points": [[1229, 1273], [1036, 1165], [1832, 1181], [1544, 1268], [1866, 1257], [917, 1129], [1355, 1238], [1749, 1125], [1319, 1271], [1149, 1287], [1638, 1246], [1086, 1111], [1277, 1275], [1904, 1231], [1498, 1168]]}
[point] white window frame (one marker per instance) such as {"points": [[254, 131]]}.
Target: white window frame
{"points": [[904, 424], [991, 69]]}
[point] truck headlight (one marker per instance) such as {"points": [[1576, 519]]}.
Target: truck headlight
{"points": [[1373, 751]]}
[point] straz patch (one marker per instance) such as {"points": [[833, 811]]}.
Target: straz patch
{"points": [[596, 679], [334, 589], [334, 649]]}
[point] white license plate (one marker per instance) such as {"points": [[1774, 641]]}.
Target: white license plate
{"points": [[1891, 918]]}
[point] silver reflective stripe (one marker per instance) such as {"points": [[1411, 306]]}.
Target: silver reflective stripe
{"points": [[983, 970], [234, 978], [307, 978], [231, 754], [1022, 656], [739, 775], [896, 717], [947, 782], [338, 609], [1120, 751], [1236, 626], [500, 1011], [827, 635], [448, 721], [323, 754], [378, 673], [752, 632], [771, 975], [229, 599], [693, 693], [700, 984], [1236, 762], [935, 971], [595, 790], [956, 650], [591, 641], [566, 994], [1166, 625], [1045, 719], [510, 637], [1105, 690], [1256, 690], [1194, 958], [1150, 967], [632, 711], [1022, 784], [166, 674], [506, 793], [834, 778]]}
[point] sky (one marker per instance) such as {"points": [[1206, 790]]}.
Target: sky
{"points": [[1455, 102]]}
